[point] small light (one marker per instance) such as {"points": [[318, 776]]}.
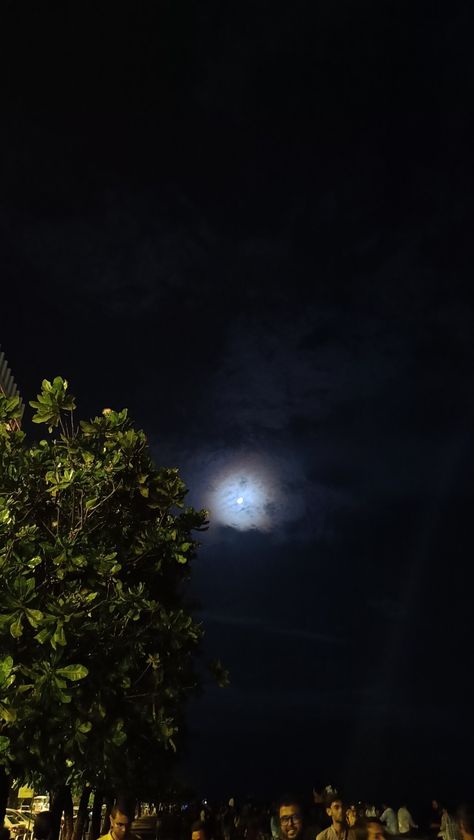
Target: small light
{"points": [[240, 500]]}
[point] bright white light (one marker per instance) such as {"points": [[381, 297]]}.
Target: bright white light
{"points": [[244, 495]]}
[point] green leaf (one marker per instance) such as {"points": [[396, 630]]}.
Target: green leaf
{"points": [[6, 666], [73, 672], [185, 546], [4, 743], [7, 618], [33, 616], [64, 698], [8, 715], [42, 636], [59, 637], [37, 418], [16, 629], [119, 737], [27, 586]]}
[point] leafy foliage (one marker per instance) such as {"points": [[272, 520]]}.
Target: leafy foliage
{"points": [[96, 646]]}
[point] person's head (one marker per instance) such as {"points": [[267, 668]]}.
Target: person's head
{"points": [[120, 822], [291, 818], [198, 832], [369, 829], [375, 830], [4, 833], [351, 815], [42, 825], [465, 817], [334, 807], [435, 804]]}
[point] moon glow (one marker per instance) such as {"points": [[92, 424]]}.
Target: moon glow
{"points": [[244, 495]]}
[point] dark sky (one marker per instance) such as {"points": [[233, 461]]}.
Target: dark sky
{"points": [[251, 223]]}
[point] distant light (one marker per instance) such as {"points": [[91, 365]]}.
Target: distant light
{"points": [[240, 500]]}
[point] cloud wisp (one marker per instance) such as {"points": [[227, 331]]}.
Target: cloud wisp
{"points": [[250, 623]]}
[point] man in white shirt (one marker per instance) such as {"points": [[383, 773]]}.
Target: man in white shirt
{"points": [[449, 829], [405, 821], [389, 818]]}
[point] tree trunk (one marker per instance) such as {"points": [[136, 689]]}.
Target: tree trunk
{"points": [[109, 801], [13, 798], [4, 791], [82, 818], [68, 816], [60, 800], [96, 814]]}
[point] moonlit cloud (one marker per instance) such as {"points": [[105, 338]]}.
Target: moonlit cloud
{"points": [[276, 493], [245, 494]]}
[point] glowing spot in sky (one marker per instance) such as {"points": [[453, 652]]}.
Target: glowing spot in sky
{"points": [[244, 494]]}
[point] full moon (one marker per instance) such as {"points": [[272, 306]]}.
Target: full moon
{"points": [[244, 495]]}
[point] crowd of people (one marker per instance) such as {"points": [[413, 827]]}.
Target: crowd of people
{"points": [[328, 817]]}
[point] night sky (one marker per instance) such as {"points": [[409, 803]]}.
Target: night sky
{"points": [[251, 224]]}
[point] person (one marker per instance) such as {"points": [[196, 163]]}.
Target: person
{"points": [[4, 833], [351, 816], [274, 823], [198, 830], [368, 829], [291, 818], [338, 829], [389, 818], [120, 824], [229, 820], [465, 818], [42, 825], [435, 818], [316, 817], [405, 820], [449, 829]]}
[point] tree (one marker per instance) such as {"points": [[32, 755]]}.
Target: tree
{"points": [[97, 647]]}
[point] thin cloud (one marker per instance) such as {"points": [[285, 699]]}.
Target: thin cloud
{"points": [[249, 623]]}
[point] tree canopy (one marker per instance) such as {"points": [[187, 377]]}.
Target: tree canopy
{"points": [[97, 646]]}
